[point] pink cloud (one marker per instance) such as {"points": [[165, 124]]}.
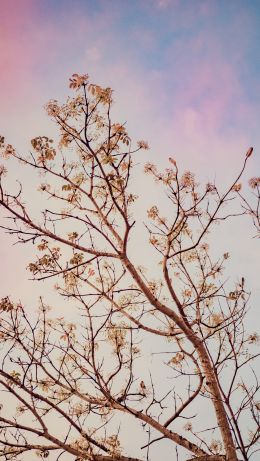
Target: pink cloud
{"points": [[16, 50], [195, 96]]}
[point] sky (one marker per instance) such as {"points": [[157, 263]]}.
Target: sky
{"points": [[185, 75], [185, 69]]}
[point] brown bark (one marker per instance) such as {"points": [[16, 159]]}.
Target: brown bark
{"points": [[216, 399], [209, 458]]}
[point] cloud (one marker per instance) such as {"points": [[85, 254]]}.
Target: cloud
{"points": [[94, 54], [165, 3]]}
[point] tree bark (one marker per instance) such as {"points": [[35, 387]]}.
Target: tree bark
{"points": [[209, 458], [216, 399]]}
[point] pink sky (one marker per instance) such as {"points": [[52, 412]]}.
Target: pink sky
{"points": [[184, 75]]}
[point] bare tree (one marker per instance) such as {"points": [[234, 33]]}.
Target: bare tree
{"points": [[71, 388]]}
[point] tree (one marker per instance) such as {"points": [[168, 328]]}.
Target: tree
{"points": [[74, 384]]}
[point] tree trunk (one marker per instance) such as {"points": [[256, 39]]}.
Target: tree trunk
{"points": [[216, 399]]}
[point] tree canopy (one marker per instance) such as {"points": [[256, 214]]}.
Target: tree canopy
{"points": [[159, 349]]}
